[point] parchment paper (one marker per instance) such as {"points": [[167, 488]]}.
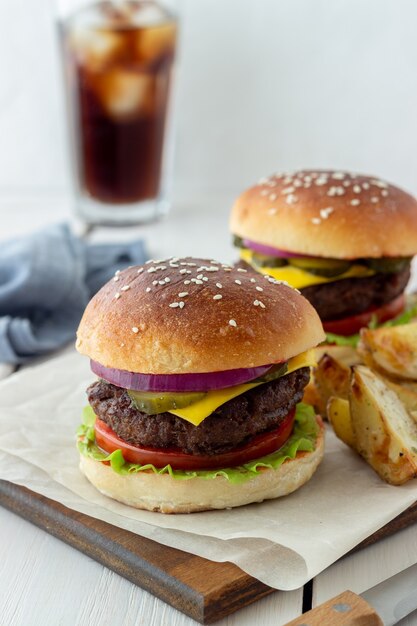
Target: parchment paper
{"points": [[282, 542]]}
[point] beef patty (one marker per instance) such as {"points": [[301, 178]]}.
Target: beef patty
{"points": [[350, 296], [232, 424]]}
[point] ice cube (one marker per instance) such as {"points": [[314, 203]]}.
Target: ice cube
{"points": [[126, 94], [96, 48], [152, 44]]}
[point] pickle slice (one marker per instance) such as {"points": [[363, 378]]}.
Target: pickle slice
{"points": [[388, 265], [261, 260], [321, 267], [238, 242], [154, 402], [275, 372]]}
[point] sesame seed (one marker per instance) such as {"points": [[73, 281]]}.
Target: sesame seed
{"points": [[117, 295], [324, 213], [238, 282], [259, 288], [384, 193], [117, 272], [291, 198], [355, 202], [174, 305], [151, 269], [374, 199], [167, 279], [240, 269], [192, 264], [125, 288], [122, 345], [338, 175], [148, 289], [259, 303], [161, 267], [227, 269], [273, 197], [187, 282], [365, 185], [288, 190], [297, 183], [183, 294], [321, 180], [232, 323], [379, 183], [161, 282], [205, 279], [346, 183], [315, 220], [116, 278], [135, 329], [356, 189], [173, 265], [219, 285], [218, 296], [181, 305], [198, 282], [140, 270], [253, 280], [199, 276], [336, 191], [184, 271]]}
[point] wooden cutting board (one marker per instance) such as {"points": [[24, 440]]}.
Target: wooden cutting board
{"points": [[203, 589]]}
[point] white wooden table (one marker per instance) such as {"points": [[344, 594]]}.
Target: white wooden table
{"points": [[44, 582]]}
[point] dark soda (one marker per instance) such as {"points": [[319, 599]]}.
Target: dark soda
{"points": [[120, 59]]}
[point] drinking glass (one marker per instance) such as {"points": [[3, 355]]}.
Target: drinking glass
{"points": [[118, 59]]}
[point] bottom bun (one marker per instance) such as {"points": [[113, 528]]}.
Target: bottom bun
{"points": [[162, 493]]}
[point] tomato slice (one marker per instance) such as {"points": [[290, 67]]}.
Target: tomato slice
{"points": [[260, 445], [351, 325]]}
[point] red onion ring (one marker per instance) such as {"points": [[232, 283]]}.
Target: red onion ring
{"points": [[177, 382], [269, 251]]}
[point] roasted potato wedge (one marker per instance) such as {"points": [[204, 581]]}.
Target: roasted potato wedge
{"points": [[391, 350], [332, 375], [338, 412], [384, 432]]}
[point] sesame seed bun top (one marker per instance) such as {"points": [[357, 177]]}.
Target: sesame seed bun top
{"points": [[329, 214], [194, 315]]}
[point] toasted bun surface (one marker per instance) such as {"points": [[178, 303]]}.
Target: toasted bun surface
{"points": [[160, 492], [329, 214], [192, 315]]}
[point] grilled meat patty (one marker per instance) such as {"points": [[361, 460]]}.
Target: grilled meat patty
{"points": [[351, 296], [232, 424]]}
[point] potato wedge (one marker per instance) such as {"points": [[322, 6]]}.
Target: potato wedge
{"points": [[392, 350], [338, 412], [332, 375], [384, 432]]}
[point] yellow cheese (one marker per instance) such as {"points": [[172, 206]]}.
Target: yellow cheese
{"points": [[197, 412], [299, 278]]}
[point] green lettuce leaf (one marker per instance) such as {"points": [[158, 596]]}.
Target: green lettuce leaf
{"points": [[302, 439], [352, 340]]}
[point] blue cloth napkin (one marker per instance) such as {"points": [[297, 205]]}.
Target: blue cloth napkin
{"points": [[46, 281]]}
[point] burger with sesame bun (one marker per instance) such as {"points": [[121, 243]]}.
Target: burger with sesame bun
{"points": [[201, 368], [344, 240]]}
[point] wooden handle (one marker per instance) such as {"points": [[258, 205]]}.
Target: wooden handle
{"points": [[347, 609]]}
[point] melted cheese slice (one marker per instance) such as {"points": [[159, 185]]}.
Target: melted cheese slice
{"points": [[197, 412], [298, 278]]}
